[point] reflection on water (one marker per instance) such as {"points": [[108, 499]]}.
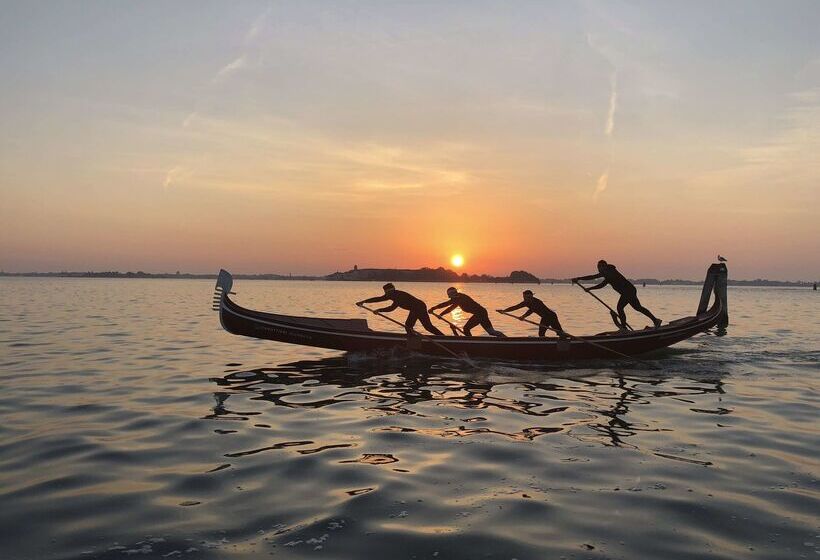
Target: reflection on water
{"points": [[134, 426], [600, 406]]}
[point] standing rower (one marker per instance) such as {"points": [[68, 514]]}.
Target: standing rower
{"points": [[619, 283], [416, 307], [468, 305], [549, 319]]}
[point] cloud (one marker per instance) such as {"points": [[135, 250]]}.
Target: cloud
{"points": [[257, 26], [189, 119], [391, 168], [173, 175], [231, 67], [601, 185], [252, 36], [784, 167], [613, 101]]}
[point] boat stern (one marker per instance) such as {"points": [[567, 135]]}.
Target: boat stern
{"points": [[717, 280]]}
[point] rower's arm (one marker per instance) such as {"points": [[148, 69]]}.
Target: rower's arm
{"points": [[590, 277], [388, 309], [375, 299], [599, 286], [450, 306], [449, 309], [527, 314], [514, 307]]}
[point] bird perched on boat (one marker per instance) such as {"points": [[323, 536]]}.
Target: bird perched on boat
{"points": [[416, 307], [721, 259], [619, 283], [468, 305], [549, 319]]}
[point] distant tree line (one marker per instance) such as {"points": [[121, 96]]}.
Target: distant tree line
{"points": [[439, 274]]}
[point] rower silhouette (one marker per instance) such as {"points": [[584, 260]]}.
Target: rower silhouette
{"points": [[416, 307], [549, 319], [619, 283], [468, 305]]}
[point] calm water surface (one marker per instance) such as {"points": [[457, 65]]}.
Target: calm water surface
{"points": [[133, 425]]}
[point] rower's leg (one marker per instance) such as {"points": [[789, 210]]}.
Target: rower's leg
{"points": [[473, 321], [425, 321], [412, 317], [623, 301], [488, 326], [542, 326], [556, 324], [636, 304]]}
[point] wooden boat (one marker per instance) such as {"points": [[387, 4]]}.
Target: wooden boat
{"points": [[354, 335]]}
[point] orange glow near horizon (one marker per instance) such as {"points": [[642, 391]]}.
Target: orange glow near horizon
{"points": [[457, 260]]}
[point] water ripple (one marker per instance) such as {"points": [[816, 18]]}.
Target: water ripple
{"points": [[133, 426]]}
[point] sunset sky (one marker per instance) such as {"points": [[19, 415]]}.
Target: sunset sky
{"points": [[306, 137]]}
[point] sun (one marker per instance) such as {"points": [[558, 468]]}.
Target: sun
{"points": [[457, 261]]}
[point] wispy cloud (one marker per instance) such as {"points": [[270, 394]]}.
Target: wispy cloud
{"points": [[787, 159], [601, 185], [276, 156], [174, 175], [189, 119], [252, 36], [391, 168], [244, 60], [236, 64], [609, 125], [258, 25], [613, 102]]}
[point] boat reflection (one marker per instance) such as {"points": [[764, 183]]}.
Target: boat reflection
{"points": [[592, 405]]}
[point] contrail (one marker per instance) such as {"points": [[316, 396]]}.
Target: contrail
{"points": [[613, 100], [600, 186]]}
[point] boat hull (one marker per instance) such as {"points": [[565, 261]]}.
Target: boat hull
{"points": [[353, 335]]}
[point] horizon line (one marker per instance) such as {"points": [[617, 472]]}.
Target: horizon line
{"points": [[285, 276]]}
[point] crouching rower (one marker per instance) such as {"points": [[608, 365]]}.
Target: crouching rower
{"points": [[549, 319], [416, 307], [468, 305]]}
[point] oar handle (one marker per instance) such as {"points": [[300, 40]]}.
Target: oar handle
{"points": [[464, 358], [380, 314], [573, 337], [455, 328], [615, 317], [530, 321]]}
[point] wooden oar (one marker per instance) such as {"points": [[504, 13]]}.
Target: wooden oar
{"points": [[573, 337], [615, 318], [464, 358], [455, 328]]}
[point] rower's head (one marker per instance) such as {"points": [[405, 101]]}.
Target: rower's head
{"points": [[527, 295], [452, 292], [389, 288], [602, 264]]}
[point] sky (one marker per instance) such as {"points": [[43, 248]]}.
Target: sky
{"points": [[306, 137]]}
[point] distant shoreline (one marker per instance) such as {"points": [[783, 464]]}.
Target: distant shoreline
{"points": [[388, 275]]}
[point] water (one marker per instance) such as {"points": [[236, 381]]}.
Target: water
{"points": [[133, 425]]}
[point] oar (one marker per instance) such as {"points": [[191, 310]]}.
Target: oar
{"points": [[464, 358], [455, 328], [573, 337], [615, 318]]}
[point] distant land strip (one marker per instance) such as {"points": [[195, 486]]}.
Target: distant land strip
{"points": [[395, 275]]}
